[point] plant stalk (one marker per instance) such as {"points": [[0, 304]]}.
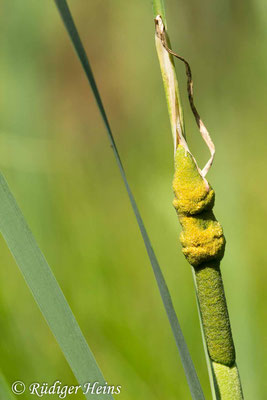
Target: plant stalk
{"points": [[159, 9], [202, 237]]}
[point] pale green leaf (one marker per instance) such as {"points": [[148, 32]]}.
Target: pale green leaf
{"points": [[46, 291]]}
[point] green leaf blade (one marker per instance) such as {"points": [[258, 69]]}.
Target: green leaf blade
{"points": [[46, 291], [190, 372], [5, 392]]}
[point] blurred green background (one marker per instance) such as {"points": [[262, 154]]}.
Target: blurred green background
{"points": [[56, 157]]}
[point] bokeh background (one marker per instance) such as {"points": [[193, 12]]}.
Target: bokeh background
{"points": [[56, 157]]}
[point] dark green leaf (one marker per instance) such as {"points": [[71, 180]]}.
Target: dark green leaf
{"points": [[190, 372]]}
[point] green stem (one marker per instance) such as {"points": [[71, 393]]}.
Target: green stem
{"points": [[171, 88], [201, 237], [213, 384], [159, 9], [203, 245]]}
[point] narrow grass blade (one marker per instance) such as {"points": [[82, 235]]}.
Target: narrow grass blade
{"points": [[46, 291], [5, 392], [189, 368]]}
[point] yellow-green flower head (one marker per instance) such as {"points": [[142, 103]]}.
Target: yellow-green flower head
{"points": [[202, 236], [191, 194]]}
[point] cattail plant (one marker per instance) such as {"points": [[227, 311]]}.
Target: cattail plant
{"points": [[202, 238]]}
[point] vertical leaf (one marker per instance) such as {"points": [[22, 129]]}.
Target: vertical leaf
{"points": [[189, 368], [46, 291], [5, 392]]}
